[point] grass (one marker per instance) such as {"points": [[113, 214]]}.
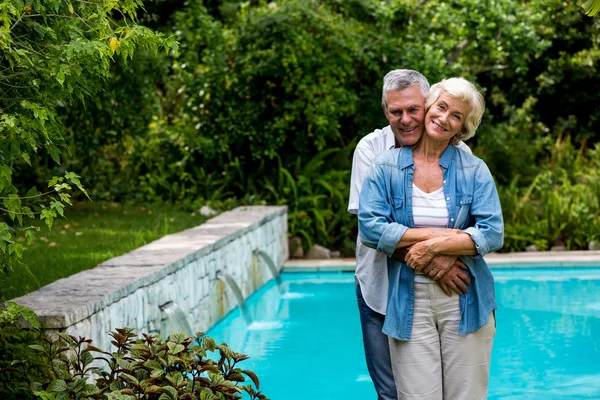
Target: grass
{"points": [[91, 233]]}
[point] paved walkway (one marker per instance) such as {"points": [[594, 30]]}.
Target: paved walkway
{"points": [[494, 260]]}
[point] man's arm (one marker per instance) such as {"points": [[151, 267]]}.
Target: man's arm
{"points": [[361, 163], [375, 227]]}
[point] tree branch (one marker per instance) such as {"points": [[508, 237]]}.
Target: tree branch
{"points": [[421, 4], [459, 49]]}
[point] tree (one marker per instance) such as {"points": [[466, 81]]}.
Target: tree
{"points": [[53, 53]]}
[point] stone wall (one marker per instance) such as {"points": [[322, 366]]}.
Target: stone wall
{"points": [[174, 283]]}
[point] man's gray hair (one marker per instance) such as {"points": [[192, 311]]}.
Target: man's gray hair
{"points": [[399, 79], [464, 91]]}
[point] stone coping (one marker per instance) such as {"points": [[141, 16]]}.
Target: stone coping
{"points": [[70, 300], [494, 260]]}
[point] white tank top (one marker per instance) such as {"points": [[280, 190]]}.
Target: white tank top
{"points": [[429, 211]]}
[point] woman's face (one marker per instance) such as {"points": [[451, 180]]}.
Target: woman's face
{"points": [[446, 117]]}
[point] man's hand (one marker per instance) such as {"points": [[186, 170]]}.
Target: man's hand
{"points": [[439, 266], [455, 280], [400, 254]]}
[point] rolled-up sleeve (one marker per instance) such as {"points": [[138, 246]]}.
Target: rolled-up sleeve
{"points": [[488, 231], [376, 226]]}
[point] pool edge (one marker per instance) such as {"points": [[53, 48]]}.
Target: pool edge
{"points": [[547, 259]]}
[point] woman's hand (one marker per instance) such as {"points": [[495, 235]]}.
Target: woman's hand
{"points": [[420, 255]]}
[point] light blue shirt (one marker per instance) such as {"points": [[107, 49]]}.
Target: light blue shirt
{"points": [[385, 213]]}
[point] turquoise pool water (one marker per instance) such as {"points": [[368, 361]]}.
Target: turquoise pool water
{"points": [[305, 341]]}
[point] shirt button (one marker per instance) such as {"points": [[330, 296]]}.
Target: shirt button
{"points": [[461, 202], [447, 198], [451, 219], [444, 181]]}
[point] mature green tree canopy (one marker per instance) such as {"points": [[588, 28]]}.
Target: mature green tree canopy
{"points": [[54, 53], [266, 100]]}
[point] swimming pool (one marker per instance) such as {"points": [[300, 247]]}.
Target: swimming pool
{"points": [[305, 341]]}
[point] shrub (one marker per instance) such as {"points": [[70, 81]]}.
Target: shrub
{"points": [[15, 352], [146, 368], [561, 206]]}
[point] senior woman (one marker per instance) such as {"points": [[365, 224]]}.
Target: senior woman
{"points": [[435, 198]]}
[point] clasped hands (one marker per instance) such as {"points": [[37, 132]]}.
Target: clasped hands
{"points": [[446, 270]]}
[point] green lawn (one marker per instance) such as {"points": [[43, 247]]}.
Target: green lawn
{"points": [[91, 234]]}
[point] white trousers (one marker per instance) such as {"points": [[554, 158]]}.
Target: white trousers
{"points": [[437, 363]]}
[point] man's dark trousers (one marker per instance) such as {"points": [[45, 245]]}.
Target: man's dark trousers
{"points": [[377, 349]]}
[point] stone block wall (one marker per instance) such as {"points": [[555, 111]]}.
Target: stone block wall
{"points": [[174, 283]]}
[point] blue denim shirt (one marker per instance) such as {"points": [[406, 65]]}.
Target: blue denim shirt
{"points": [[385, 213]]}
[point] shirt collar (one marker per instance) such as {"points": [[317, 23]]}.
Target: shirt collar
{"points": [[406, 157], [447, 156], [390, 139]]}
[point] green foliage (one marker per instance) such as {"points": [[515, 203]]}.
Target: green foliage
{"points": [[562, 204], [497, 144], [54, 53], [146, 368], [259, 89], [316, 193], [591, 7], [15, 352]]}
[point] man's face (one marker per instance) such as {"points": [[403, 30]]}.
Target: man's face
{"points": [[406, 113]]}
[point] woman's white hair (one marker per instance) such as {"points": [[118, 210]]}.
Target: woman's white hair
{"points": [[462, 90]]}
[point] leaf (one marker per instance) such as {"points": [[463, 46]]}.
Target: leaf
{"points": [[16, 249], [177, 379], [591, 7], [67, 338], [55, 180], [208, 343], [90, 390], [44, 395], [79, 384], [170, 391], [27, 159], [123, 363], [206, 395], [116, 395], [130, 378], [13, 205], [32, 192], [37, 347], [86, 358], [178, 337], [156, 373], [152, 364], [5, 176], [175, 348], [26, 313], [252, 376], [48, 215], [57, 386], [114, 43]]}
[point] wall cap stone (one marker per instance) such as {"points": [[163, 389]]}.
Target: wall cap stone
{"points": [[68, 301]]}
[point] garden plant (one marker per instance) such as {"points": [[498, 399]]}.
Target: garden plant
{"points": [[145, 367]]}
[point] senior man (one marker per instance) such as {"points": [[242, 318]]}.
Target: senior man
{"points": [[403, 102]]}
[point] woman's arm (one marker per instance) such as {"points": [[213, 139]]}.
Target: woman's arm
{"points": [[486, 235], [377, 227], [421, 254], [416, 235]]}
